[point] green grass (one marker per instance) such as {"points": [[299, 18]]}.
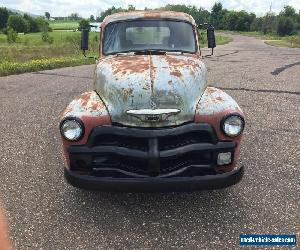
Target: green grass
{"points": [[253, 34], [8, 68], [273, 39], [30, 53], [220, 39], [63, 25], [288, 41], [35, 39], [278, 41]]}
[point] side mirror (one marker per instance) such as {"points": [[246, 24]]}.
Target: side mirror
{"points": [[84, 40], [211, 39]]}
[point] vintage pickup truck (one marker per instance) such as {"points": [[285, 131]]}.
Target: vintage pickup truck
{"points": [[151, 123]]}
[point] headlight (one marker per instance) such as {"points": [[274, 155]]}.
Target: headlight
{"points": [[72, 129], [233, 125]]}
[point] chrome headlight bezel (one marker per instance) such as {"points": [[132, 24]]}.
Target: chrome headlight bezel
{"points": [[230, 116], [76, 121]]}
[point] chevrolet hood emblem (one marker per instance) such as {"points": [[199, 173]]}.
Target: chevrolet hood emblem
{"points": [[152, 115]]}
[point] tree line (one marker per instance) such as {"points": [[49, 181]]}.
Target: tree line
{"points": [[12, 23], [21, 23], [287, 22]]}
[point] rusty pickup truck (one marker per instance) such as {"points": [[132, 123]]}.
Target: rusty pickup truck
{"points": [[150, 122]]}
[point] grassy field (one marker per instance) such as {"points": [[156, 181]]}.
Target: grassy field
{"points": [[35, 39], [220, 40], [291, 42], [63, 25], [275, 40], [31, 53]]}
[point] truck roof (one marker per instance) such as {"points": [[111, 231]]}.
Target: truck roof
{"points": [[148, 14]]}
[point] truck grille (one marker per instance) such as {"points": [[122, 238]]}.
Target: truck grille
{"points": [[114, 151]]}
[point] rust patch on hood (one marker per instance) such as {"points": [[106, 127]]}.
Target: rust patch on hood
{"points": [[87, 103], [176, 73], [122, 65], [215, 101], [84, 98], [176, 64], [127, 93]]}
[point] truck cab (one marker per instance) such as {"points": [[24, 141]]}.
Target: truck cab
{"points": [[151, 123]]}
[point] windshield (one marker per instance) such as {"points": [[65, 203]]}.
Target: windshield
{"points": [[149, 35]]}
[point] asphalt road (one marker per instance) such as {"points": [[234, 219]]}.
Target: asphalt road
{"points": [[46, 213]]}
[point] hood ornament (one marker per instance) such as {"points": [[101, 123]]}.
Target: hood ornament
{"points": [[152, 115]]}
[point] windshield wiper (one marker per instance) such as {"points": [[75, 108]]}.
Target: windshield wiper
{"points": [[121, 54], [150, 52], [181, 51], [161, 52]]}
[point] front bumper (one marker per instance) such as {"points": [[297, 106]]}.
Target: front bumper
{"points": [[155, 184]]}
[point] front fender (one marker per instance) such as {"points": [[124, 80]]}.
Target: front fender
{"points": [[91, 110], [213, 106]]}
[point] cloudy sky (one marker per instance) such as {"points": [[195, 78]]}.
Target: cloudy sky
{"points": [[86, 8]]}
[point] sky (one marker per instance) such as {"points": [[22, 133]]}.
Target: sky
{"points": [[85, 8]]}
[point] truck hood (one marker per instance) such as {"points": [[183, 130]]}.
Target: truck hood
{"points": [[166, 86]]}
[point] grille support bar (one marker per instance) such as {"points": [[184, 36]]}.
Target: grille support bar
{"points": [[153, 157]]}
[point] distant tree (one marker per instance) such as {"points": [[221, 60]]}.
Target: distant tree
{"points": [[256, 24], [47, 15], [269, 23], [288, 11], [113, 10], [244, 20], [217, 15], [3, 18], [285, 26], [18, 23], [131, 7], [200, 15], [32, 22], [74, 17], [42, 24], [231, 19], [298, 21], [105, 13], [84, 24], [177, 7], [92, 18]]}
